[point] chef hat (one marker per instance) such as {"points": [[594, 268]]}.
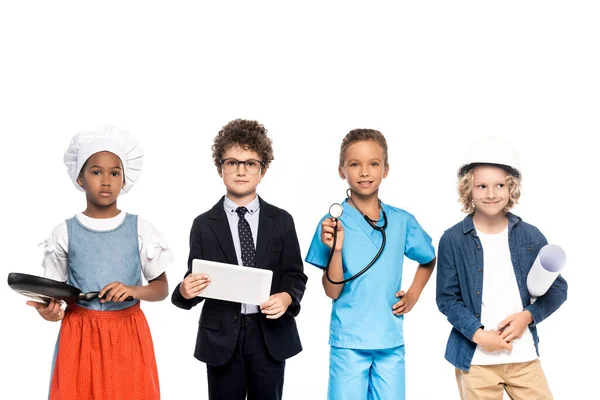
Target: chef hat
{"points": [[105, 138]]}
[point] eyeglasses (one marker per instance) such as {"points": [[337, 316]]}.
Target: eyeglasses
{"points": [[232, 165]]}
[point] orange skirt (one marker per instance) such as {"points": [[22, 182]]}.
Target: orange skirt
{"points": [[105, 355]]}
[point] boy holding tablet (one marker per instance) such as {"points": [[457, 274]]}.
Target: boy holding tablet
{"points": [[245, 346]]}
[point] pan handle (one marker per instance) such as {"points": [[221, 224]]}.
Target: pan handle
{"points": [[94, 295]]}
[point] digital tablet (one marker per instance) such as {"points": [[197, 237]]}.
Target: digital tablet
{"points": [[234, 282]]}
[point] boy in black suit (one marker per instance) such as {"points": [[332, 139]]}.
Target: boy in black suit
{"points": [[245, 346]]}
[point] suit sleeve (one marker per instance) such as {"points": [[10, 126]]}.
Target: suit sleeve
{"points": [[195, 252], [293, 280]]}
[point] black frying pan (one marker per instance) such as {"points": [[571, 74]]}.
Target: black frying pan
{"points": [[45, 289]]}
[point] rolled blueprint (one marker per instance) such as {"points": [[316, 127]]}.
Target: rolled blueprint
{"points": [[550, 261]]}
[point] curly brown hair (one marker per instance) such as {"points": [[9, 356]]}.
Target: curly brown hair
{"points": [[464, 186], [358, 135], [248, 134]]}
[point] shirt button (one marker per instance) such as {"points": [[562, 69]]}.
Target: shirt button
{"points": [[478, 293], [478, 246], [479, 269], [477, 315], [234, 319]]}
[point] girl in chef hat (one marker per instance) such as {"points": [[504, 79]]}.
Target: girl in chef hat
{"points": [[104, 349]]}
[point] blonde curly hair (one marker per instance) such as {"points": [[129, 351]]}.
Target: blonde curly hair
{"points": [[465, 190]]}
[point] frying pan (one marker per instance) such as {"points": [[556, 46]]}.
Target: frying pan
{"points": [[45, 289]]}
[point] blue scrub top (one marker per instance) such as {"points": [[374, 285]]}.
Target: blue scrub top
{"points": [[361, 317]]}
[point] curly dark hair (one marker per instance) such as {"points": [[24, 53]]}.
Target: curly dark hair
{"points": [[249, 134], [358, 135]]}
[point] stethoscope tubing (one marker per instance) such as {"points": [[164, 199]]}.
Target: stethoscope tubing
{"points": [[375, 227]]}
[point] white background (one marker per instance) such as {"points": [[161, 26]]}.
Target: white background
{"points": [[432, 76]]}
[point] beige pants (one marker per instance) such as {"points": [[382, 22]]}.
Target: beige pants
{"points": [[522, 381]]}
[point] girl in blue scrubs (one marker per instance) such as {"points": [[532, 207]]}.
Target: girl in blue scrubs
{"points": [[367, 345]]}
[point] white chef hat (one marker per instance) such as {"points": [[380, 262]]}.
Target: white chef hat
{"points": [[118, 141]]}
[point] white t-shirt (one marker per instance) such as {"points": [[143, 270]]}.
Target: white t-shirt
{"points": [[155, 255], [501, 298]]}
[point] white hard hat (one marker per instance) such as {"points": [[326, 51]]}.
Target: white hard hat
{"points": [[491, 151]]}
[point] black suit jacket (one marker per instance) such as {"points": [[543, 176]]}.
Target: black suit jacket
{"points": [[277, 249]]}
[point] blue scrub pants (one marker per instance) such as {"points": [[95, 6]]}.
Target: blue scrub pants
{"points": [[366, 374]]}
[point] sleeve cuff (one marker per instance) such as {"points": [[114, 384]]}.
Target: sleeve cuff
{"points": [[471, 329], [532, 309]]}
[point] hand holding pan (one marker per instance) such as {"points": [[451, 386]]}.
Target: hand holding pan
{"points": [[44, 289]]}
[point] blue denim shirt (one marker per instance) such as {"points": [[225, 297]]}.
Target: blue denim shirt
{"points": [[460, 283]]}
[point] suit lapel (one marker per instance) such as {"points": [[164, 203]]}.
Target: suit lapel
{"points": [[220, 227], [265, 228]]}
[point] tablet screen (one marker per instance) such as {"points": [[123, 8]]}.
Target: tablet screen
{"points": [[234, 282]]}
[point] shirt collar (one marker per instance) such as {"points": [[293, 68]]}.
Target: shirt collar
{"points": [[230, 206], [469, 226], [347, 206]]}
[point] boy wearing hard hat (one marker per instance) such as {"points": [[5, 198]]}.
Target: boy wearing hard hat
{"points": [[483, 262]]}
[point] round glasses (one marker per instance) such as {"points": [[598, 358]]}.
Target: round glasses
{"points": [[232, 165]]}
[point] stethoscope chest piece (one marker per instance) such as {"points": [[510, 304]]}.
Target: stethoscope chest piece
{"points": [[336, 210]]}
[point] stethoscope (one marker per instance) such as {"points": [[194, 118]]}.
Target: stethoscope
{"points": [[335, 211]]}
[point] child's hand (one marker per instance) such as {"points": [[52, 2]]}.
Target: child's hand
{"points": [[193, 285], [116, 292], [514, 325], [327, 226], [276, 306], [491, 341], [50, 312], [406, 303]]}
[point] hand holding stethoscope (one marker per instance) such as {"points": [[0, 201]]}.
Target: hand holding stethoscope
{"points": [[332, 231], [330, 235]]}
